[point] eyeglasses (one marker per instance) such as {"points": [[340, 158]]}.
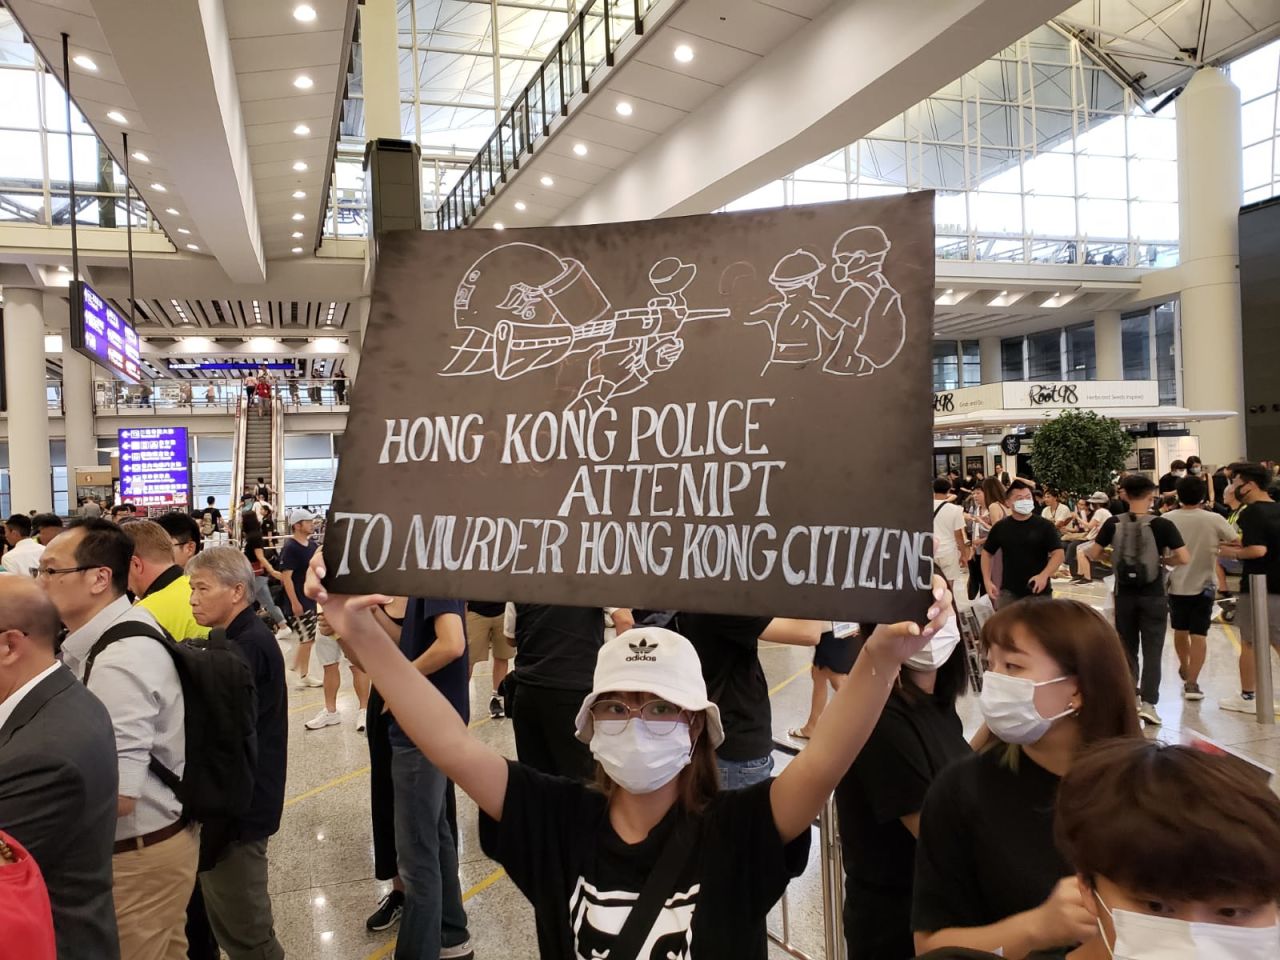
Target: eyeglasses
{"points": [[659, 716], [47, 572]]}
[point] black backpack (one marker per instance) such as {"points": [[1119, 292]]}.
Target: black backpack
{"points": [[221, 707]]}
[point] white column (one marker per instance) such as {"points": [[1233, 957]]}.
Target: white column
{"points": [[381, 60], [77, 406], [1209, 193], [1107, 345], [355, 340], [30, 476], [989, 356]]}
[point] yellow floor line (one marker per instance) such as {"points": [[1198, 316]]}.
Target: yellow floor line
{"points": [[303, 707], [335, 782], [803, 670], [1232, 634]]}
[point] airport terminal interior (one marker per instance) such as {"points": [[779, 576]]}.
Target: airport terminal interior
{"points": [[202, 207]]}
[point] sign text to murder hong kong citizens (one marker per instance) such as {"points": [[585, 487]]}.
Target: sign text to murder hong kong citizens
{"points": [[724, 413]]}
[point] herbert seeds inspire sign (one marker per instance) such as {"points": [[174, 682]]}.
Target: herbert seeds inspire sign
{"points": [[726, 413]]}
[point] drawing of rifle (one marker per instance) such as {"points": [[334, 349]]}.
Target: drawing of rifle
{"points": [[521, 347]]}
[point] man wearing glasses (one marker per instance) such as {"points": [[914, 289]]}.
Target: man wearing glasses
{"points": [[85, 571]]}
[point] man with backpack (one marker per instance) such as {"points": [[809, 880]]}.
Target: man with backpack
{"points": [[1141, 546], [85, 572], [210, 519]]}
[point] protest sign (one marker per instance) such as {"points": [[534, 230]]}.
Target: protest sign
{"points": [[727, 413]]}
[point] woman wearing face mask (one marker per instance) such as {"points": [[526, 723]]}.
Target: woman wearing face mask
{"points": [[988, 510], [655, 860], [988, 875], [1175, 853], [879, 799]]}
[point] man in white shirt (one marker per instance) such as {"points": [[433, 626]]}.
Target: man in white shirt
{"points": [[1055, 511], [950, 551], [85, 571], [24, 553]]}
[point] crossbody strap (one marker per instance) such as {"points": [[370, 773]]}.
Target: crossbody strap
{"points": [[653, 896]]}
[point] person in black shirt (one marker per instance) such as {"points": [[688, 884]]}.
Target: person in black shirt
{"points": [[234, 855], [1259, 552], [879, 799], [1169, 482], [727, 648], [1030, 546], [583, 854], [988, 875], [1142, 607]]}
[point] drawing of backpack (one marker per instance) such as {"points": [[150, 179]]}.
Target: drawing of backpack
{"points": [[884, 330]]}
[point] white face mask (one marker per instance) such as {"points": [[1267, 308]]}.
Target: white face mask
{"points": [[1009, 708], [1024, 507], [640, 761], [1141, 936], [938, 650]]}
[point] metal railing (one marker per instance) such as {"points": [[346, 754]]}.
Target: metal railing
{"points": [[589, 44], [204, 396]]}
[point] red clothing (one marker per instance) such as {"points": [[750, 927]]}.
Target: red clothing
{"points": [[25, 916]]}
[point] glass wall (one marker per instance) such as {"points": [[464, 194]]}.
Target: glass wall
{"points": [[310, 465], [1038, 156], [956, 363], [211, 462], [1258, 76], [1150, 349], [1060, 354]]}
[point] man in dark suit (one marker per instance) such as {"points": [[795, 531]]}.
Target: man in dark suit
{"points": [[58, 774]]}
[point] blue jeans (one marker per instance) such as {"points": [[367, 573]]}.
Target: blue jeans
{"points": [[263, 590], [428, 859], [736, 774]]}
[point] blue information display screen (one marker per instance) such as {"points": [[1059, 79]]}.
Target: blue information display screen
{"points": [[155, 468], [105, 337]]}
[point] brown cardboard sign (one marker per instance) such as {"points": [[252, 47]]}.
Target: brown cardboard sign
{"points": [[725, 413]]}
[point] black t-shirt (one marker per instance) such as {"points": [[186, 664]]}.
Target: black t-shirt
{"points": [[560, 850], [1260, 526], [557, 646], [1168, 537], [483, 609], [213, 515], [986, 847], [1026, 545], [911, 743], [1169, 483], [294, 559], [254, 542], [417, 636], [735, 680]]}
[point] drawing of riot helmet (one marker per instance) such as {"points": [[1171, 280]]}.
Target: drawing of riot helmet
{"points": [[858, 253], [797, 269], [671, 275]]}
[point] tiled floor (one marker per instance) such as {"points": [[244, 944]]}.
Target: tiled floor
{"points": [[322, 860]]}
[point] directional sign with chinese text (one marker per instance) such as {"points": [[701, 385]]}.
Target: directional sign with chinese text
{"points": [[154, 466]]}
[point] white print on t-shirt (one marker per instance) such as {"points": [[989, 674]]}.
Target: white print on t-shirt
{"points": [[597, 918]]}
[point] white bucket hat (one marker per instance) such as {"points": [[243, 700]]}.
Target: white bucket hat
{"points": [[651, 660]]}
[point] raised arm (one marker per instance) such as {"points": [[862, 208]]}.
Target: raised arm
{"points": [[800, 791], [420, 709]]}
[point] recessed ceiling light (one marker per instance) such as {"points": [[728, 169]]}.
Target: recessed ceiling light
{"points": [[140, 156], [159, 188], [62, 268], [304, 13], [580, 149], [683, 53], [547, 182], [86, 63], [300, 166], [172, 212], [299, 194], [299, 216], [623, 108], [302, 130], [192, 246], [303, 82], [499, 225], [297, 249], [297, 234], [184, 231], [521, 206], [115, 116]]}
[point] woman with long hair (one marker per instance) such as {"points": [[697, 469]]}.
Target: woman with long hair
{"points": [[988, 875], [986, 510], [654, 859]]}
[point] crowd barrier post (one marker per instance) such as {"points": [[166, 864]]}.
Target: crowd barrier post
{"points": [[1264, 689]]}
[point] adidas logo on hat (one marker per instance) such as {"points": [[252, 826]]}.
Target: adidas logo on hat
{"points": [[643, 651]]}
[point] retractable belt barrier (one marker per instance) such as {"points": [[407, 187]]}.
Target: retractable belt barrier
{"points": [[832, 872]]}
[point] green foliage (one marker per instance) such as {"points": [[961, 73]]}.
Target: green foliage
{"points": [[1078, 452]]}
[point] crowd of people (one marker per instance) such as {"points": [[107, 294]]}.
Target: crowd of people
{"points": [[144, 668]]}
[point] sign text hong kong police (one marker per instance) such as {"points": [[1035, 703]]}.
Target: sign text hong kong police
{"points": [[695, 413]]}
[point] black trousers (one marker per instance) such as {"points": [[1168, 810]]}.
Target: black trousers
{"points": [[382, 807], [543, 723], [201, 944], [1142, 622]]}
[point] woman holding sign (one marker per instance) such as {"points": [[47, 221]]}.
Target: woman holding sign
{"points": [[654, 859]]}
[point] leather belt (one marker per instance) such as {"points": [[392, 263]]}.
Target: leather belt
{"points": [[150, 839]]}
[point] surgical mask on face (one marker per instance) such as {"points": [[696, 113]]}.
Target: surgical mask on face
{"points": [[640, 761], [938, 650], [1009, 708], [1179, 473], [1196, 471], [1141, 936], [1024, 507]]}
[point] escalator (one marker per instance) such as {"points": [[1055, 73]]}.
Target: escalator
{"points": [[258, 451]]}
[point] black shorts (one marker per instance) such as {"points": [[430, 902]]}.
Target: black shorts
{"points": [[834, 653], [1192, 614]]}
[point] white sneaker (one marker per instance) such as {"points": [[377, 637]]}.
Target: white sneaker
{"points": [[283, 632], [323, 719], [360, 715], [1241, 705], [1147, 712], [312, 682], [462, 951]]}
